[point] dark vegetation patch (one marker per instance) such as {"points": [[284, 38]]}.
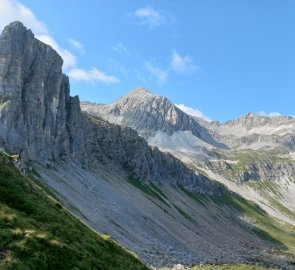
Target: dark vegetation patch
{"points": [[149, 189]]}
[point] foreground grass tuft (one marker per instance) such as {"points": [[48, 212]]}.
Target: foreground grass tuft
{"points": [[36, 232]]}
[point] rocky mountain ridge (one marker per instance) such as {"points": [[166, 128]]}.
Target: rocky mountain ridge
{"points": [[40, 120], [149, 114], [254, 131], [258, 149]]}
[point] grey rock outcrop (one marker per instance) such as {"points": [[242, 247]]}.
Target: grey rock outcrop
{"points": [[266, 167], [36, 94], [40, 120]]}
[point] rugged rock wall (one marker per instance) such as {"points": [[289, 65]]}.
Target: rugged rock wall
{"points": [[34, 95], [40, 120]]}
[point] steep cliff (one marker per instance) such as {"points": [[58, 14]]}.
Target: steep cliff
{"points": [[34, 94]]}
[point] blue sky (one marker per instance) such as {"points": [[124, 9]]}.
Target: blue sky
{"points": [[220, 58]]}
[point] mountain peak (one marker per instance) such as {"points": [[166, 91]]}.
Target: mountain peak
{"points": [[16, 24], [15, 29], [250, 115], [149, 114], [139, 92], [22, 56]]}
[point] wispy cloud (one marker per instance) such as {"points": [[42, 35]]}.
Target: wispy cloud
{"points": [[179, 64], [182, 64], [160, 74], [13, 10], [76, 44], [120, 48], [193, 112], [115, 66], [271, 114], [92, 75], [69, 59], [149, 16]]}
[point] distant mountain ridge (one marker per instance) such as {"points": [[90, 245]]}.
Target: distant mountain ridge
{"points": [[254, 131], [153, 115]]}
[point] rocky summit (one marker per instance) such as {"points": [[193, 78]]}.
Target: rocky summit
{"points": [[149, 114], [103, 163]]}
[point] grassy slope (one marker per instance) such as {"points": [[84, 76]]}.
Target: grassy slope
{"points": [[36, 232], [244, 158], [263, 225], [282, 235]]}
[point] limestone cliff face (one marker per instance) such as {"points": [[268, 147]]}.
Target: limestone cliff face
{"points": [[39, 119], [34, 95]]}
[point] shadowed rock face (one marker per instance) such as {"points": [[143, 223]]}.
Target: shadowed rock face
{"points": [[36, 94], [39, 119]]}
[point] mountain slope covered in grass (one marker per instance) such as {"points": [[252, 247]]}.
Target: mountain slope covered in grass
{"points": [[36, 232]]}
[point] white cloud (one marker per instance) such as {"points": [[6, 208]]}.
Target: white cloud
{"points": [[13, 10], [68, 57], [179, 64], [182, 64], [92, 75], [76, 44], [160, 74], [149, 16], [120, 48], [193, 112], [271, 114]]}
